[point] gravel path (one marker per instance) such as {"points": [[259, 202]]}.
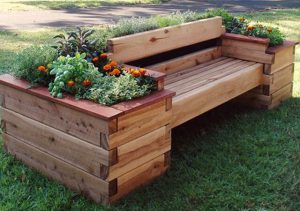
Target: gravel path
{"points": [[109, 14]]}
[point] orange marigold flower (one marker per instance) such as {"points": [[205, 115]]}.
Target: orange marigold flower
{"points": [[142, 71], [250, 28], [41, 68], [103, 56], [86, 82], [242, 19], [107, 67], [270, 30], [113, 63], [136, 73], [95, 59], [115, 72], [70, 83]]}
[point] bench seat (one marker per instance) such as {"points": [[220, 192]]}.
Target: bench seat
{"points": [[205, 86]]}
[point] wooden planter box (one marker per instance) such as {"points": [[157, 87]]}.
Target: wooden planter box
{"points": [[103, 152], [278, 63]]}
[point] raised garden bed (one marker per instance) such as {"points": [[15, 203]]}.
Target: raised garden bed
{"points": [[106, 152]]}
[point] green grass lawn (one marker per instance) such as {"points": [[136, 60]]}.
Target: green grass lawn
{"points": [[21, 5], [231, 158]]}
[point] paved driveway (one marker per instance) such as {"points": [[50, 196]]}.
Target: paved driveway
{"points": [[109, 14]]}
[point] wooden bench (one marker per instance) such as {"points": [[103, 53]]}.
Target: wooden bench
{"points": [[215, 67]]}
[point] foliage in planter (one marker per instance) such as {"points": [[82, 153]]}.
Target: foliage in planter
{"points": [[33, 63], [177, 18], [111, 90], [242, 26], [232, 24], [72, 74], [75, 75], [133, 25], [77, 41]]}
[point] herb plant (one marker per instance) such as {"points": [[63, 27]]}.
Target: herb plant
{"points": [[73, 75], [77, 41], [33, 64]]}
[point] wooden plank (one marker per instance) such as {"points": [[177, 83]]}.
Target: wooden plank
{"points": [[198, 101], [187, 61], [247, 54], [284, 45], [145, 44], [85, 106], [198, 74], [279, 79], [138, 129], [56, 169], [70, 121], [244, 38], [140, 122], [266, 101], [282, 58], [139, 176], [56, 143], [203, 68], [245, 45], [134, 119], [195, 83], [136, 104], [139, 151]]}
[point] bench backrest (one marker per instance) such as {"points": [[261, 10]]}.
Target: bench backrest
{"points": [[141, 45]]}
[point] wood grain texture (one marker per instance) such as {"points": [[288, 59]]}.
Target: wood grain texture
{"points": [[282, 58], [284, 45], [145, 44], [247, 54], [244, 38], [74, 178], [200, 100], [79, 124], [197, 82], [139, 176], [278, 80], [266, 101], [139, 151], [187, 61], [140, 122], [245, 45], [136, 104], [56, 143]]}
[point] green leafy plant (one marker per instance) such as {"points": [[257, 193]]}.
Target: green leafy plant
{"points": [[73, 75], [244, 27], [176, 18], [111, 90], [77, 41], [33, 63], [133, 25]]}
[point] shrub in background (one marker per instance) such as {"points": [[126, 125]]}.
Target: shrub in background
{"points": [[32, 64], [133, 25]]}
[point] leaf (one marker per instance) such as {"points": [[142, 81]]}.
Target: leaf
{"points": [[88, 34], [77, 56], [83, 55], [54, 71], [62, 36]]}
